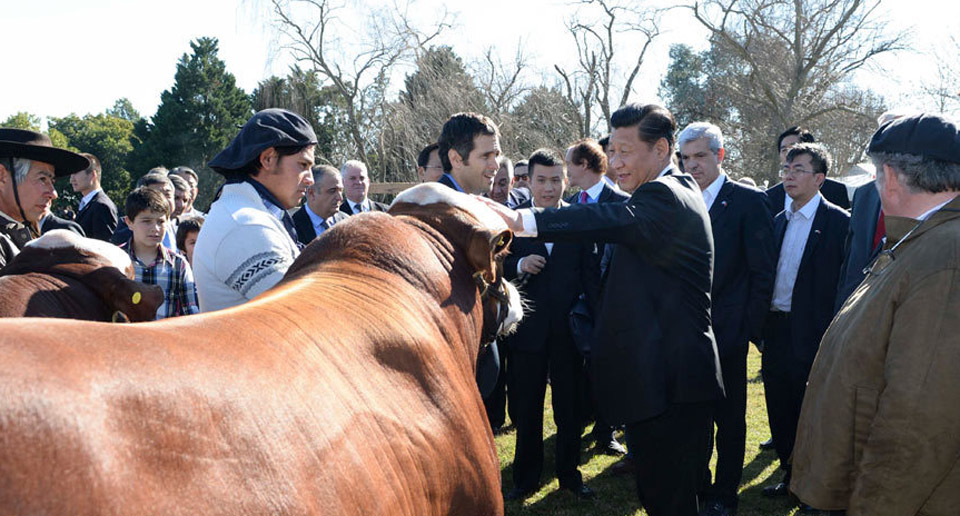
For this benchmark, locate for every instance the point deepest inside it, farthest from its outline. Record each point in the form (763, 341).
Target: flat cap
(268, 128)
(930, 136)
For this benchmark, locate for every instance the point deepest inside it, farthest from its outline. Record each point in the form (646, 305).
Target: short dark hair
(653, 122)
(187, 171)
(544, 157)
(804, 135)
(588, 151)
(458, 133)
(179, 184)
(185, 227)
(424, 157)
(94, 164)
(521, 163)
(604, 142)
(819, 156)
(144, 198)
(154, 178)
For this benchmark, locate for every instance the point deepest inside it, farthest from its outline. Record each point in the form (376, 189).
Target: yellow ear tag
(500, 243)
(136, 298)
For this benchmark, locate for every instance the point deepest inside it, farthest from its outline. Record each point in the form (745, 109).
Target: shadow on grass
(755, 467)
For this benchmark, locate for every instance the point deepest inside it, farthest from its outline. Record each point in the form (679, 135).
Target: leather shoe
(611, 447)
(517, 494)
(582, 492)
(767, 445)
(777, 490)
(624, 466)
(718, 509)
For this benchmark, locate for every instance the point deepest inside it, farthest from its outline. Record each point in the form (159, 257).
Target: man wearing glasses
(811, 232)
(879, 432)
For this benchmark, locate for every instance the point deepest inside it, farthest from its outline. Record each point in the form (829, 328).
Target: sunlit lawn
(616, 495)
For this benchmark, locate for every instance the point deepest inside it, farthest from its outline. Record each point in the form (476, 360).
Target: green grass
(617, 495)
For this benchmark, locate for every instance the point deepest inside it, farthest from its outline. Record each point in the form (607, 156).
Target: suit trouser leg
(784, 380)
(730, 417)
(496, 403)
(566, 375)
(669, 458)
(526, 388)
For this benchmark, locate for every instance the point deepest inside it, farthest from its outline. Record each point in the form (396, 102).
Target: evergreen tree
(109, 138)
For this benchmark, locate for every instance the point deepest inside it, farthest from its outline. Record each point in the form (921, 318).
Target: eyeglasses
(786, 172)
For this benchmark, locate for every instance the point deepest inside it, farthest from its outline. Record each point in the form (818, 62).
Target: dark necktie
(583, 197)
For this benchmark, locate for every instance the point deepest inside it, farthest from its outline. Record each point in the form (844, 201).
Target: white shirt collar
(933, 210)
(808, 211)
(665, 170)
(711, 192)
(87, 198)
(362, 205)
(594, 191)
(314, 218)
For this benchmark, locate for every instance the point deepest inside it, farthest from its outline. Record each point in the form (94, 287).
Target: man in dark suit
(97, 214)
(831, 190)
(810, 233)
(864, 240)
(321, 211)
(743, 272)
(356, 184)
(655, 363)
(586, 166)
(553, 276)
(49, 222)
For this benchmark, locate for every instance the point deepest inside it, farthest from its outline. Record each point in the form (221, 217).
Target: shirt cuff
(520, 261)
(529, 224)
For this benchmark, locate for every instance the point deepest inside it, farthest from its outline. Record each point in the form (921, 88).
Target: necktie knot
(583, 197)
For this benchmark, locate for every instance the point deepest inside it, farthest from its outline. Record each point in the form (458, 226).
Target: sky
(81, 56)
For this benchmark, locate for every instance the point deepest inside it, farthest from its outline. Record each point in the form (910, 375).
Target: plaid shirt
(172, 272)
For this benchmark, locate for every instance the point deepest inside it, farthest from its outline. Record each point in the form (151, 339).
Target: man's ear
(721, 154)
(662, 148)
(127, 221)
(4, 174)
(456, 160)
(268, 159)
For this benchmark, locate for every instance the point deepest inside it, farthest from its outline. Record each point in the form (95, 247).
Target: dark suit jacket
(606, 195)
(859, 250)
(305, 231)
(744, 265)
(52, 222)
(831, 190)
(572, 268)
(98, 218)
(374, 206)
(815, 290)
(653, 345)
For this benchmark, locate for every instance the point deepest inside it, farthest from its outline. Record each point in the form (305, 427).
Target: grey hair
(698, 130)
(21, 167)
(918, 174)
(179, 184)
(321, 171)
(354, 164)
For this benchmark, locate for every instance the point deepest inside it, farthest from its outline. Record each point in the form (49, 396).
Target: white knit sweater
(242, 250)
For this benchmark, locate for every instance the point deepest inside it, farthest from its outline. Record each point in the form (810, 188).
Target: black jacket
(831, 190)
(98, 218)
(653, 343)
(858, 248)
(305, 231)
(51, 222)
(744, 265)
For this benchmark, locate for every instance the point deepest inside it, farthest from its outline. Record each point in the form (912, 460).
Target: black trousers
(668, 453)
(730, 418)
(526, 389)
(496, 402)
(784, 384)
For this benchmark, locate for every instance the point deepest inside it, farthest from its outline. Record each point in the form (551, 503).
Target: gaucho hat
(20, 143)
(267, 128)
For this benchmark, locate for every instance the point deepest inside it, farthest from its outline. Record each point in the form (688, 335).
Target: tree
(942, 92)
(23, 120)
(544, 118)
(109, 138)
(124, 109)
(600, 44)
(197, 117)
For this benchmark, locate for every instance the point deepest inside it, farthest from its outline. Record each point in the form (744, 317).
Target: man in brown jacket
(879, 432)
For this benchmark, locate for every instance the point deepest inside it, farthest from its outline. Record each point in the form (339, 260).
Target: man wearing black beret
(879, 431)
(248, 240)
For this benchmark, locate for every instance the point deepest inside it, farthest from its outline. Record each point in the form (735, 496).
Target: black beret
(268, 128)
(929, 136)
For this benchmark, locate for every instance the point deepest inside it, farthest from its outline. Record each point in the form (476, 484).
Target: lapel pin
(723, 203)
(817, 231)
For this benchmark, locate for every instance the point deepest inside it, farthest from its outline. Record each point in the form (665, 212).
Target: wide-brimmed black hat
(268, 128)
(20, 143)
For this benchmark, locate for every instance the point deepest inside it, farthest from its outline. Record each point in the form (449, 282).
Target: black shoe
(517, 494)
(582, 492)
(624, 466)
(767, 445)
(777, 490)
(612, 448)
(718, 509)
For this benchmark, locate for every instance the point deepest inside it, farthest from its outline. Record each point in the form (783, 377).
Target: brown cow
(347, 389)
(64, 275)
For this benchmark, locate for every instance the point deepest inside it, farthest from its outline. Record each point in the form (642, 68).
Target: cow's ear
(485, 249)
(137, 301)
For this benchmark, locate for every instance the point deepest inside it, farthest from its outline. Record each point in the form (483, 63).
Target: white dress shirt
(359, 207)
(87, 198)
(319, 223)
(933, 210)
(711, 192)
(548, 245)
(795, 238)
(593, 193)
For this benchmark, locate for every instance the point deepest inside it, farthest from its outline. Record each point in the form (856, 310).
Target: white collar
(716, 185)
(808, 211)
(89, 196)
(362, 204)
(926, 215)
(594, 191)
(665, 170)
(314, 218)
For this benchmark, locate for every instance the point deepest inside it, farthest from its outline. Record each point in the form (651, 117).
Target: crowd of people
(647, 272)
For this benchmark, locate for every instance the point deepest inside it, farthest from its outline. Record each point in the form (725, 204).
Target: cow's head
(485, 240)
(100, 266)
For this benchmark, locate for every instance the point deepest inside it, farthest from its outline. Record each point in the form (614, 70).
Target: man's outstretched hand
(512, 218)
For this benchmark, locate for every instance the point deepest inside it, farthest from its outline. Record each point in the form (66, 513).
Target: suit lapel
(816, 232)
(720, 203)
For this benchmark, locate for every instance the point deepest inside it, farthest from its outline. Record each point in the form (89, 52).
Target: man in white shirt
(322, 209)
(811, 232)
(356, 184)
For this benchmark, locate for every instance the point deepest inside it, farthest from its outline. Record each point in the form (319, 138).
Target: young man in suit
(654, 359)
(743, 272)
(553, 275)
(831, 190)
(810, 233)
(322, 209)
(97, 214)
(356, 184)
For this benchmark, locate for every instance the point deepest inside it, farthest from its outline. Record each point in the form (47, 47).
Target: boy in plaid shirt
(147, 211)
